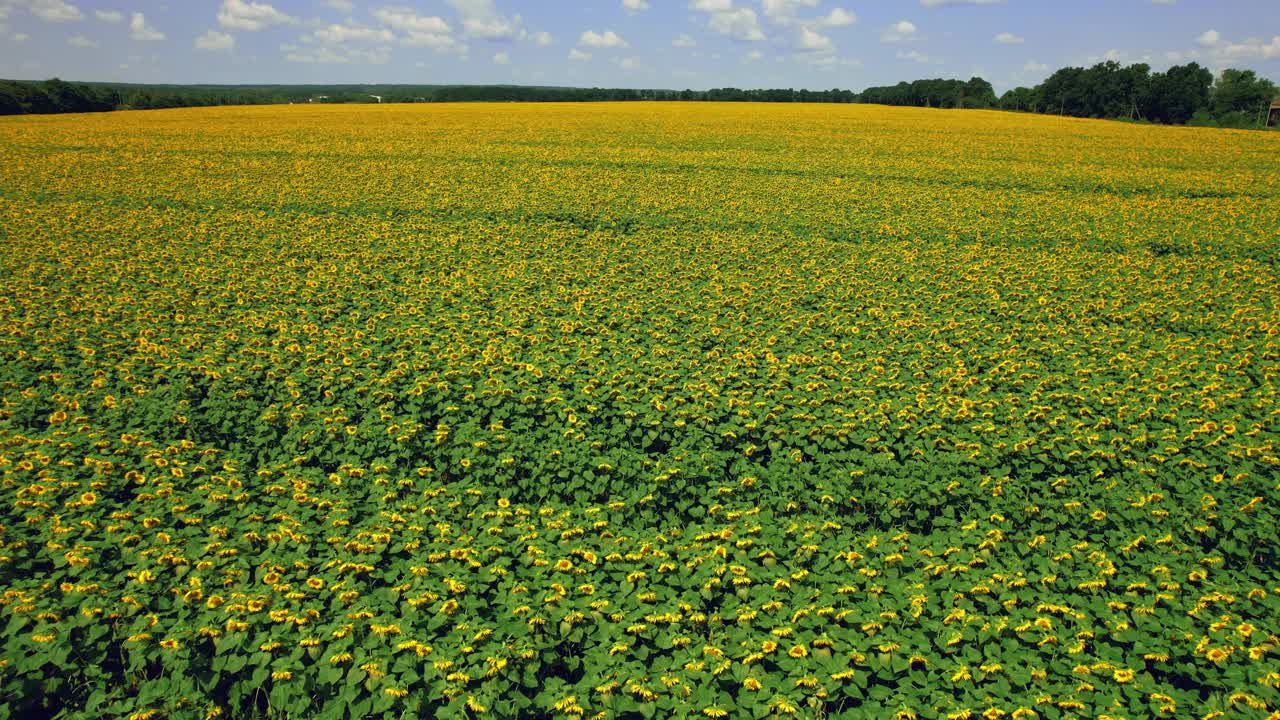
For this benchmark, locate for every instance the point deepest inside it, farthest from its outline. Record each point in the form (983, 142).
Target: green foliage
(1203, 118)
(1109, 90)
(1241, 98)
(976, 93)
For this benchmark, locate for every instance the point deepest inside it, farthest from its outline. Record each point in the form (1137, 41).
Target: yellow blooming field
(637, 411)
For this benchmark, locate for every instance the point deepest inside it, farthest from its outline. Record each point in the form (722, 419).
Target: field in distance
(637, 411)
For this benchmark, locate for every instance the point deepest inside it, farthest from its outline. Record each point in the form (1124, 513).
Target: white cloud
(434, 41)
(754, 55)
(828, 62)
(838, 17)
(327, 55)
(684, 40)
(214, 40)
(739, 24)
(81, 41)
(501, 58)
(940, 3)
(109, 16)
(576, 54)
(901, 31)
(1032, 66)
(542, 39)
(344, 6)
(419, 30)
(607, 39)
(480, 19)
(21, 37)
(339, 34)
(631, 63)
(812, 40)
(1209, 38)
(1251, 49)
(808, 38)
(914, 55)
(407, 20)
(635, 5)
(783, 12)
(1008, 38)
(140, 30)
(56, 11)
(250, 15)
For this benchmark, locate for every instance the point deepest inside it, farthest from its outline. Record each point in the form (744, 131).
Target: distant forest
(1183, 94)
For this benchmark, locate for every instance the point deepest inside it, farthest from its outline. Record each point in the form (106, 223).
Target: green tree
(978, 93)
(1179, 92)
(1240, 98)
(1019, 98)
(10, 98)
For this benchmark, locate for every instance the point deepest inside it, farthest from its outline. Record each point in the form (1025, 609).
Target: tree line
(1182, 94)
(57, 96)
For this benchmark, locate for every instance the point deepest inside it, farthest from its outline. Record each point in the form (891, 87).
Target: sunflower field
(637, 411)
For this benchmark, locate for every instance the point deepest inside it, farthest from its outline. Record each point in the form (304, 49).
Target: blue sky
(622, 43)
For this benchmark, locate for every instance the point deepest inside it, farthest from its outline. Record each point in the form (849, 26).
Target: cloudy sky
(622, 43)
